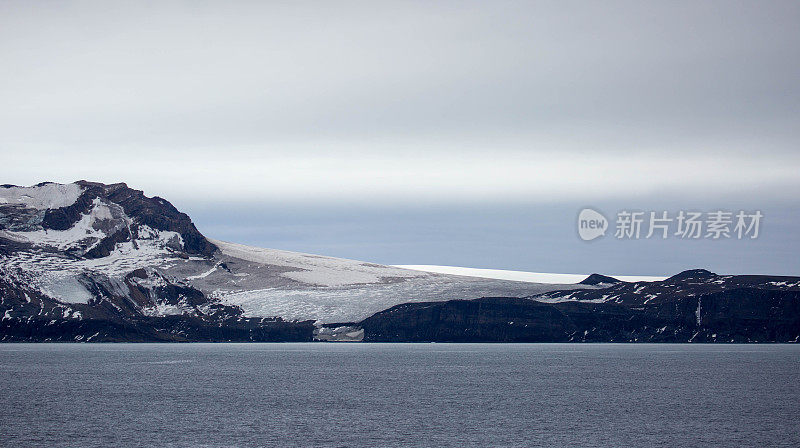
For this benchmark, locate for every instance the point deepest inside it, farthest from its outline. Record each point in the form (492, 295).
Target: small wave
(171, 361)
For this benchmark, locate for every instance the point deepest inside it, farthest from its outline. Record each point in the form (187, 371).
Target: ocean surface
(387, 395)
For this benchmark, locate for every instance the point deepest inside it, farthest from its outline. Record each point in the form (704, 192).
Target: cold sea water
(387, 395)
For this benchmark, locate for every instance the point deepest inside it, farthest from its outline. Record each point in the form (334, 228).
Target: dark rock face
(160, 214)
(8, 247)
(165, 329)
(480, 320)
(750, 314)
(721, 310)
(63, 218)
(107, 244)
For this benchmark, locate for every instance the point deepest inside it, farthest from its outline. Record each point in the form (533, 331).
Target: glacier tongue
(356, 302)
(315, 269)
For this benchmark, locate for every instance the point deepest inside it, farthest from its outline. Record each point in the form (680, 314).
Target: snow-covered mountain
(93, 262)
(100, 252)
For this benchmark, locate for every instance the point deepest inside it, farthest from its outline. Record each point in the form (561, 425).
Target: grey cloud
(184, 74)
(272, 106)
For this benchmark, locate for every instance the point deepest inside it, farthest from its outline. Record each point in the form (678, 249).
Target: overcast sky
(358, 107)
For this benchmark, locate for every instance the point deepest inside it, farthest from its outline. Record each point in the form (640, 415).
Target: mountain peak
(698, 274)
(101, 215)
(596, 279)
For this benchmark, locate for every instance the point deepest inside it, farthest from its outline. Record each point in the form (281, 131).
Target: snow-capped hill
(88, 219)
(88, 261)
(691, 283)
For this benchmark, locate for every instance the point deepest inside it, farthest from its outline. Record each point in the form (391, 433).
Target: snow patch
(67, 289)
(204, 274)
(42, 197)
(163, 309)
(698, 311)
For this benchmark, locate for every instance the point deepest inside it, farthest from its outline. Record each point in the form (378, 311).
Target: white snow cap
(43, 196)
(522, 276)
